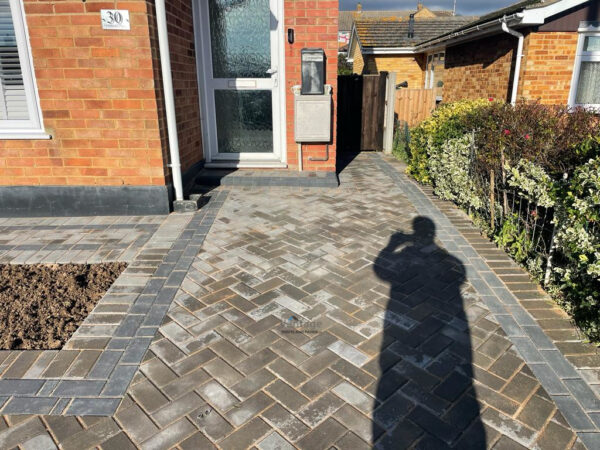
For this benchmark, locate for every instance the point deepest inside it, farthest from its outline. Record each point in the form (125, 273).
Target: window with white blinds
(19, 109)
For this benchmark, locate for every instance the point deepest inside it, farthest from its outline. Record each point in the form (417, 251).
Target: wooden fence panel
(414, 105)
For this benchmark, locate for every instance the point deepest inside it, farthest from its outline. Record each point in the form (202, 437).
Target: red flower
(491, 99)
(506, 132)
(534, 213)
(527, 136)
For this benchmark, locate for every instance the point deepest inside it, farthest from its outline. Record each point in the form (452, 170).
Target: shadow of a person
(424, 396)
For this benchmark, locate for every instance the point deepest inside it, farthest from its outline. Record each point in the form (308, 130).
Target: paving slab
(371, 315)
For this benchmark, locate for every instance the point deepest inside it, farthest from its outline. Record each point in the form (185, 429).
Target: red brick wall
(101, 93)
(316, 25)
(185, 81)
(409, 68)
(483, 68)
(97, 96)
(479, 69)
(548, 63)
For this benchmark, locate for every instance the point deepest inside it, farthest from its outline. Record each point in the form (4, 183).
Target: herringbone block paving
(319, 319)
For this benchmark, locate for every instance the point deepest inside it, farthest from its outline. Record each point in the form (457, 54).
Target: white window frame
(585, 30)
(432, 59)
(32, 128)
(428, 71)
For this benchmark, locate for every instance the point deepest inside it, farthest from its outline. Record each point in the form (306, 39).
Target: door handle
(273, 72)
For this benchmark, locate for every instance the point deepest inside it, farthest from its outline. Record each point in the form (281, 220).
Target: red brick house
(90, 122)
(536, 50)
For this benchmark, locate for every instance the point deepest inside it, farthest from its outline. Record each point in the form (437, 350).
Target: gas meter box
(313, 71)
(312, 116)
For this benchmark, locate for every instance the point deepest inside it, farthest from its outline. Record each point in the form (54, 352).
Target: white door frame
(207, 85)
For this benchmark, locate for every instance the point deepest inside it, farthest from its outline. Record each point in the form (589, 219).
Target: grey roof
(394, 33)
(346, 18)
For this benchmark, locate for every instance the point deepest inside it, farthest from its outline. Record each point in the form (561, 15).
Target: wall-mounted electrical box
(313, 71)
(312, 116)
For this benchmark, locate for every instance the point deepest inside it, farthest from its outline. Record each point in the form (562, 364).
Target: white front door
(243, 93)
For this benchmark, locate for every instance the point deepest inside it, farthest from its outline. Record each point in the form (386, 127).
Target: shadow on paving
(426, 350)
(343, 159)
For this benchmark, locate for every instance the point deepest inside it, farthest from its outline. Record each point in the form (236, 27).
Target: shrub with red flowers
(558, 138)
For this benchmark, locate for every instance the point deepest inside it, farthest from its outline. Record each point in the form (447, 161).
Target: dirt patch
(41, 306)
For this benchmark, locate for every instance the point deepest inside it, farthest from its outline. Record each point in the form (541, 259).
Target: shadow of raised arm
(385, 260)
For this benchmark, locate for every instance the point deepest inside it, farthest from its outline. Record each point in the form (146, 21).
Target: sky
(464, 7)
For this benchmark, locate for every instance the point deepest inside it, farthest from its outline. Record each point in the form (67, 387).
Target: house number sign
(115, 19)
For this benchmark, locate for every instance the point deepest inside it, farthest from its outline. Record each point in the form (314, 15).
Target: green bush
(401, 140)
(546, 167)
(450, 168)
(344, 67)
(577, 274)
(447, 122)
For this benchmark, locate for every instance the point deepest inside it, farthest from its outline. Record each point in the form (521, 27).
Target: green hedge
(546, 167)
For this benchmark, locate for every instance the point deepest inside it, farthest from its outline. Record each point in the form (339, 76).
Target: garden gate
(361, 112)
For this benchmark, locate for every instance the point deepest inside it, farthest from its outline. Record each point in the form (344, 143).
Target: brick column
(315, 24)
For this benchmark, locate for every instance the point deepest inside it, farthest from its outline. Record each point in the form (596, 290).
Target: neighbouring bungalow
(535, 50)
(547, 51)
(347, 19)
(346, 22)
(113, 107)
(390, 45)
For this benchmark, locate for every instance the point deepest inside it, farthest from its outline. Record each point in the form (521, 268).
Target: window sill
(587, 106)
(11, 135)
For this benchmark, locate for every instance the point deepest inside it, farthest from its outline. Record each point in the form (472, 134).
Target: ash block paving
(312, 318)
(75, 239)
(91, 375)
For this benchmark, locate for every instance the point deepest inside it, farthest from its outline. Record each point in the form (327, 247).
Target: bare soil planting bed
(41, 305)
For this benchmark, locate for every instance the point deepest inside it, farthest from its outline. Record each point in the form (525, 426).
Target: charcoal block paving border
(142, 300)
(573, 396)
(268, 178)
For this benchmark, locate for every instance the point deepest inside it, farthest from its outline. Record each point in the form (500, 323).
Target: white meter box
(115, 19)
(312, 121)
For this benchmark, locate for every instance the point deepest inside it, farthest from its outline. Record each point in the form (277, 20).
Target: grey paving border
(101, 391)
(310, 180)
(572, 395)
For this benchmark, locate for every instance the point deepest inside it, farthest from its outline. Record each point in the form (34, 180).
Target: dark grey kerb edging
(100, 393)
(310, 180)
(61, 201)
(573, 396)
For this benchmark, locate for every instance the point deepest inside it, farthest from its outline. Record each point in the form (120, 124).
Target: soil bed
(41, 305)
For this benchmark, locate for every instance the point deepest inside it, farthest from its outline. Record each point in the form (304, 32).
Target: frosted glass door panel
(244, 121)
(240, 42)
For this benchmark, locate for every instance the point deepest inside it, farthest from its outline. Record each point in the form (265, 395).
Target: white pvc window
(585, 86)
(433, 60)
(20, 115)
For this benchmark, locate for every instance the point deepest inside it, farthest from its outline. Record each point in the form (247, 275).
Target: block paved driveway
(320, 319)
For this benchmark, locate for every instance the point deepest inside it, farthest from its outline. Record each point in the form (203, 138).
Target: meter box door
(312, 117)
(313, 71)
